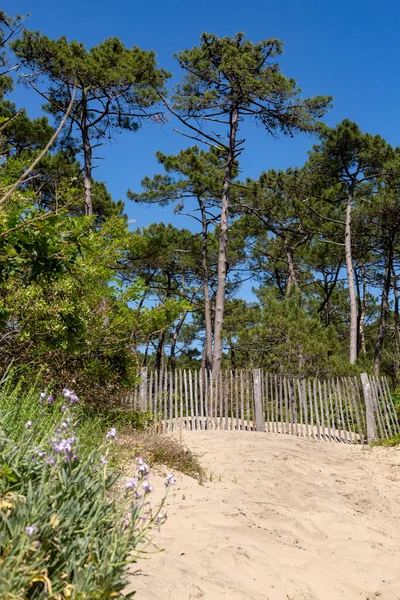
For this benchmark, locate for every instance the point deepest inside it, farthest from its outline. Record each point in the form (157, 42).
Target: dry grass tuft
(159, 449)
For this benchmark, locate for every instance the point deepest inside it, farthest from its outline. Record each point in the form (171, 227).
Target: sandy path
(282, 518)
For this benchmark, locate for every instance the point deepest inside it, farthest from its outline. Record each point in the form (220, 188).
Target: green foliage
(287, 338)
(232, 72)
(115, 85)
(64, 307)
(389, 443)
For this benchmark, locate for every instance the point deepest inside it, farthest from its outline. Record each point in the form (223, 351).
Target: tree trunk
(160, 351)
(359, 310)
(87, 160)
(223, 239)
(363, 348)
(292, 279)
(328, 292)
(233, 356)
(350, 282)
(146, 353)
(172, 357)
(384, 310)
(207, 304)
(396, 311)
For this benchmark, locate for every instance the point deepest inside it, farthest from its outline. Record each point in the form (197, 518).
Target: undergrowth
(62, 535)
(160, 450)
(388, 443)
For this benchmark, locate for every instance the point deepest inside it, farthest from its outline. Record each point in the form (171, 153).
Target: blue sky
(345, 48)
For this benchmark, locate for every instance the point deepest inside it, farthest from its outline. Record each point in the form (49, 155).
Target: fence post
(371, 425)
(143, 389)
(258, 405)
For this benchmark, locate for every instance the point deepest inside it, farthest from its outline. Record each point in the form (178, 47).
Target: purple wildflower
(147, 487)
(63, 408)
(42, 397)
(132, 483)
(112, 434)
(32, 530)
(170, 480)
(103, 461)
(142, 468)
(28, 424)
(70, 395)
(64, 446)
(50, 460)
(50, 399)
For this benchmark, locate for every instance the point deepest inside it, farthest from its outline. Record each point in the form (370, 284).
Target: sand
(279, 518)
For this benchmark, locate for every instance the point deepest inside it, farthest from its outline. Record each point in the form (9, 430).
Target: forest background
(120, 296)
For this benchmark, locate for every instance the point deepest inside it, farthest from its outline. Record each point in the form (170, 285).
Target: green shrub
(63, 535)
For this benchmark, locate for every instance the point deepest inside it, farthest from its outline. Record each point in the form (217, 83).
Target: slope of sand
(282, 518)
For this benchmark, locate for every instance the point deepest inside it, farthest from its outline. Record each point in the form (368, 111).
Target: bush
(62, 535)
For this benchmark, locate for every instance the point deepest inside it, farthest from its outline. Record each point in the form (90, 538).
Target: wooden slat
(338, 418)
(390, 402)
(180, 399)
(311, 410)
(335, 413)
(150, 394)
(299, 392)
(221, 401)
(191, 399)
(321, 413)
(266, 403)
(327, 412)
(382, 402)
(185, 387)
(361, 405)
(352, 385)
(379, 408)
(165, 400)
(241, 401)
(201, 398)
(293, 393)
(348, 408)
(171, 400)
(154, 405)
(378, 411)
(258, 415)
(272, 402)
(305, 406)
(315, 395)
(287, 415)
(349, 411)
(281, 400)
(237, 399)
(206, 397)
(211, 386)
(196, 398)
(248, 400)
(276, 404)
(393, 429)
(342, 415)
(227, 396)
(216, 400)
(160, 396)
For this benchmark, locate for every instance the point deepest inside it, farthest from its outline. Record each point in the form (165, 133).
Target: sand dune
(282, 518)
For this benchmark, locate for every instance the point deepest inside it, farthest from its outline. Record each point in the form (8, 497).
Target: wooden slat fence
(332, 410)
